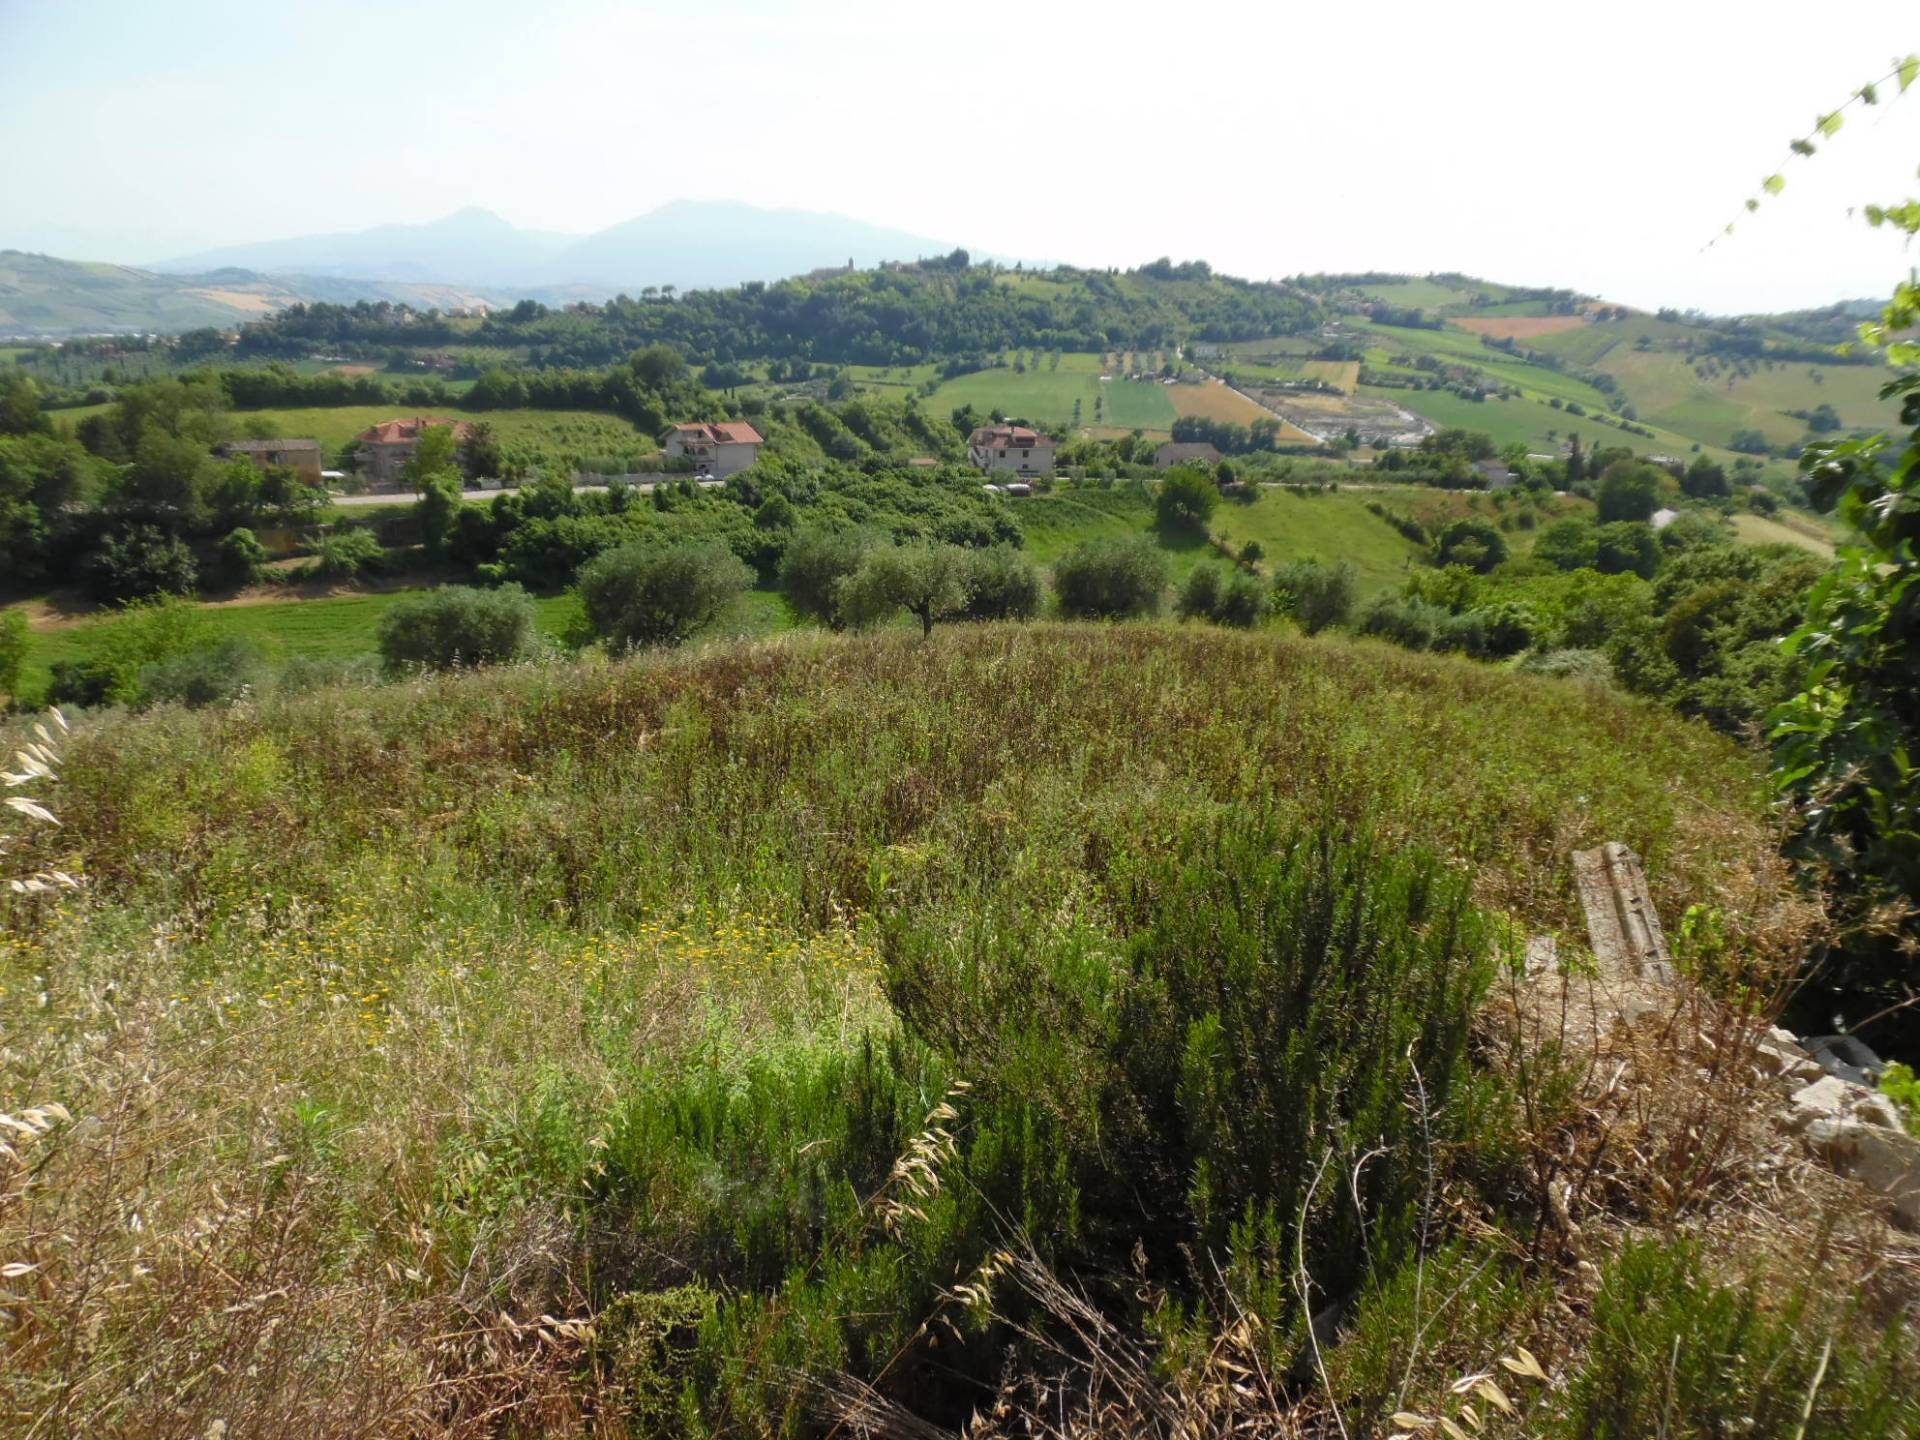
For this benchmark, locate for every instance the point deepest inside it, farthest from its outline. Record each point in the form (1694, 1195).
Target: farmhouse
(1010, 447)
(717, 450)
(300, 456)
(1184, 452)
(386, 448)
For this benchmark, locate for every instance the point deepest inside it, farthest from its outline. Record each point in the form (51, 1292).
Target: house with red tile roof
(386, 448)
(719, 450)
(1011, 447)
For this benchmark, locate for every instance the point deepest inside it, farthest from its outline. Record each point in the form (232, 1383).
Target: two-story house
(386, 448)
(1010, 447)
(718, 450)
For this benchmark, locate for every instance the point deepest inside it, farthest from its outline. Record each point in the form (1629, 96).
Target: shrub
(1674, 1353)
(1412, 623)
(1626, 547)
(1464, 633)
(776, 512)
(1200, 596)
(1315, 594)
(241, 557)
(85, 684)
(815, 563)
(218, 676)
(1205, 1133)
(658, 594)
(1111, 579)
(140, 561)
(1692, 531)
(1472, 543)
(1568, 544)
(1242, 602)
(1509, 627)
(347, 553)
(1186, 500)
(439, 504)
(1003, 585)
(457, 625)
(1630, 490)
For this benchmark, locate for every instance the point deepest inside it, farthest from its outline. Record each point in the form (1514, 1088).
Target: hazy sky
(1597, 147)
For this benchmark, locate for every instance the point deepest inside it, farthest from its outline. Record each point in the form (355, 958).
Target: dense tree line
(890, 316)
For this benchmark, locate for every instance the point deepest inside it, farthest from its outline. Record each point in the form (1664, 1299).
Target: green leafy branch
(1907, 215)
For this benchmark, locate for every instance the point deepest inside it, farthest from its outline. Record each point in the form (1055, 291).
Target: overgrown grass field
(689, 1044)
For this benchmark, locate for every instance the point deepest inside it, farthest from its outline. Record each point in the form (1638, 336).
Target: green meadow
(1046, 396)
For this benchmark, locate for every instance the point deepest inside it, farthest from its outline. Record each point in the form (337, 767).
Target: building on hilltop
(1011, 447)
(718, 450)
(1185, 452)
(300, 456)
(386, 448)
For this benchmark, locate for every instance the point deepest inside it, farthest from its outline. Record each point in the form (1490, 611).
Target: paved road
(407, 497)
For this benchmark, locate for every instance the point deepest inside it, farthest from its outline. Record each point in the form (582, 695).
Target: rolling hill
(41, 296)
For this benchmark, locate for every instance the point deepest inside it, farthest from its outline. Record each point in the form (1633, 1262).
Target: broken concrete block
(1885, 1161)
(1786, 1040)
(1622, 925)
(1877, 1109)
(1828, 1098)
(1786, 1062)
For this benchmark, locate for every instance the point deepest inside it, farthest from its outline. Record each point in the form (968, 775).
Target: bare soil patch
(1215, 401)
(247, 300)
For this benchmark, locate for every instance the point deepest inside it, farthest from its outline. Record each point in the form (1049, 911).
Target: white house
(1010, 447)
(717, 450)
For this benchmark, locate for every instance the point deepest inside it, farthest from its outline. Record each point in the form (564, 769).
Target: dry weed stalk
(917, 1171)
(38, 762)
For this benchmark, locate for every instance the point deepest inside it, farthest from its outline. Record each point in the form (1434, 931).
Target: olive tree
(930, 582)
(658, 594)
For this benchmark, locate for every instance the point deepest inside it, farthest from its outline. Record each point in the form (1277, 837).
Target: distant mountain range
(688, 244)
(45, 297)
(471, 256)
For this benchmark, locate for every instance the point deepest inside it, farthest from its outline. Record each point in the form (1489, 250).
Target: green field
(1667, 391)
(339, 627)
(1788, 528)
(1464, 348)
(1333, 526)
(1416, 292)
(1046, 396)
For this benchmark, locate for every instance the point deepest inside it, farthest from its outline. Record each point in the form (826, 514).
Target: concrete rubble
(1825, 1083)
